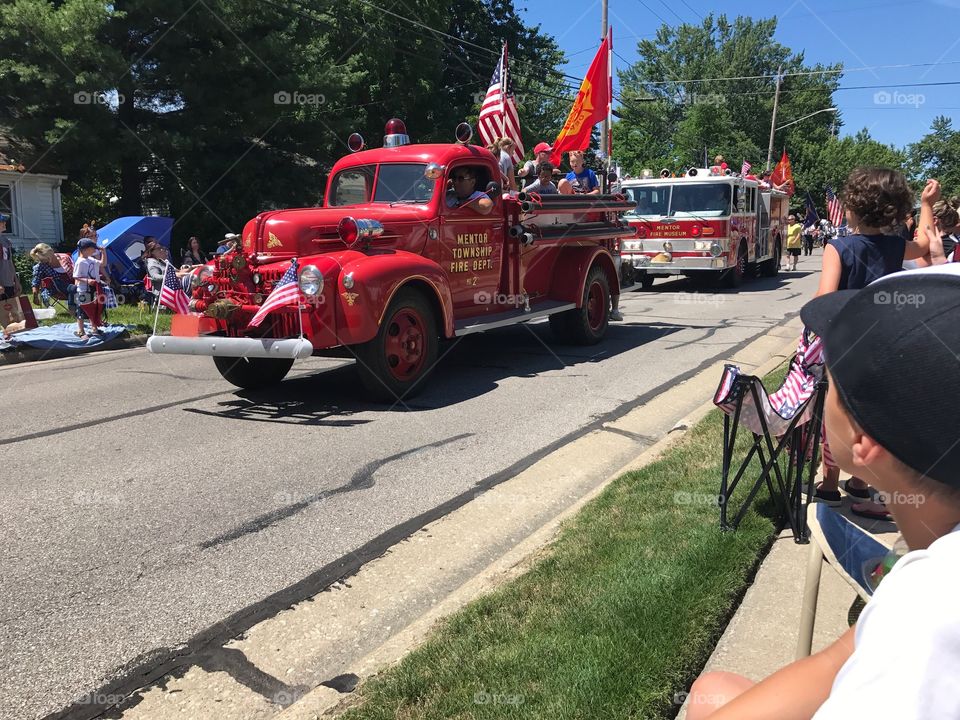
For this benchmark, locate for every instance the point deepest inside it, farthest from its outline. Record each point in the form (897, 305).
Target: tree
(710, 88)
(937, 155)
(212, 111)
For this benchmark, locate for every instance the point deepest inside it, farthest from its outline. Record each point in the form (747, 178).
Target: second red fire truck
(705, 225)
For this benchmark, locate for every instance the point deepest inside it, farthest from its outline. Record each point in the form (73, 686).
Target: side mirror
(494, 189)
(433, 171)
(464, 132)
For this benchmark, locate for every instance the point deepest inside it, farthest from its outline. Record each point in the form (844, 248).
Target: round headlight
(348, 281)
(716, 250)
(205, 272)
(668, 246)
(256, 278)
(311, 281)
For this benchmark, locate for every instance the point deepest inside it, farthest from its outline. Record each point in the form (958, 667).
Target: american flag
(498, 115)
(834, 208)
(745, 168)
(171, 292)
(285, 292)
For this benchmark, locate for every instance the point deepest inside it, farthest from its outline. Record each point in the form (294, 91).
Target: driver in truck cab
(465, 193)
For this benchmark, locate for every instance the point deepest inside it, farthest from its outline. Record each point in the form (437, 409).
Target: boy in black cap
(891, 411)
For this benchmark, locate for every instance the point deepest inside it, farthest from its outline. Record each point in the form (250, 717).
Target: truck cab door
(471, 247)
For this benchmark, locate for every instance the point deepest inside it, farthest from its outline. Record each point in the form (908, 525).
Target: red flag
(783, 175)
(591, 106)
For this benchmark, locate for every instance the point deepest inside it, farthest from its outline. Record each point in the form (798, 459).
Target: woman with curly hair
(877, 201)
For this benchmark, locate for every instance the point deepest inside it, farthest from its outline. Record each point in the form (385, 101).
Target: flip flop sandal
(860, 511)
(862, 493)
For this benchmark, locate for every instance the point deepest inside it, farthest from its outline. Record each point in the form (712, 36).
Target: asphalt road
(143, 500)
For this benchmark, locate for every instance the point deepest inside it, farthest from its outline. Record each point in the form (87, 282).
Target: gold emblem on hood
(273, 241)
(350, 297)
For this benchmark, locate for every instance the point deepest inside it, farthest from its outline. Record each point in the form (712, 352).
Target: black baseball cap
(85, 243)
(893, 351)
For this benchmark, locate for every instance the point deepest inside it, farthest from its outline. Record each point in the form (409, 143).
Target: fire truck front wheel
(252, 373)
(735, 276)
(587, 324)
(394, 364)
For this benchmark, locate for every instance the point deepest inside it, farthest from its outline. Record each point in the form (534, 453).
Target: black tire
(394, 365)
(771, 267)
(734, 277)
(252, 373)
(586, 325)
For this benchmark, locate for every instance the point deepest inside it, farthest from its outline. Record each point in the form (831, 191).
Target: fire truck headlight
(716, 250)
(256, 278)
(311, 281)
(668, 246)
(205, 272)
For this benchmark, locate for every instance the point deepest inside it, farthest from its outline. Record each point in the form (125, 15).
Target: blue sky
(857, 33)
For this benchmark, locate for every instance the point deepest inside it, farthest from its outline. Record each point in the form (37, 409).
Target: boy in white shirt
(892, 425)
(86, 273)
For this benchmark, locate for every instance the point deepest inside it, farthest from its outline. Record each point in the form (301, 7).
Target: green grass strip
(620, 613)
(139, 320)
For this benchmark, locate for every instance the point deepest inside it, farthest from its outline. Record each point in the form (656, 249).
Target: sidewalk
(762, 636)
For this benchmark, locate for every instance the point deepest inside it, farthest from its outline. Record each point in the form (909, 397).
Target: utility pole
(773, 121)
(605, 125)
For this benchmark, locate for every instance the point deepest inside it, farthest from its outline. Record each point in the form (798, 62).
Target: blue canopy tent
(124, 241)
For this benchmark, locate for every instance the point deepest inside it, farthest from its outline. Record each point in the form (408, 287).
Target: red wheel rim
(596, 306)
(404, 346)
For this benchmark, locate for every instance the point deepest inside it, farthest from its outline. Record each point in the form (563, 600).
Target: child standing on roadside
(86, 273)
(901, 660)
(877, 200)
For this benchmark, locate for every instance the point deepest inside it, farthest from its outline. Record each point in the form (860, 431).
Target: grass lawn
(138, 320)
(617, 617)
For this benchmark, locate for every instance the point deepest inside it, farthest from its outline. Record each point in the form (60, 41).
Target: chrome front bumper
(215, 346)
(676, 267)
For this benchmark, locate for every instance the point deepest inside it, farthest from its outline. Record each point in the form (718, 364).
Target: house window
(6, 205)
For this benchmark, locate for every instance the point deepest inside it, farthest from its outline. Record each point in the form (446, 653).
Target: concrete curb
(15, 357)
(325, 701)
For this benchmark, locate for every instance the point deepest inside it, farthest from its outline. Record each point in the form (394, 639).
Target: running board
(512, 317)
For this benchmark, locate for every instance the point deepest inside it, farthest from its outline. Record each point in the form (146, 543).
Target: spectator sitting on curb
(901, 659)
(156, 256)
(876, 200)
(47, 265)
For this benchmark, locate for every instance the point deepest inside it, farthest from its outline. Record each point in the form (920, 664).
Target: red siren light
(395, 133)
(348, 230)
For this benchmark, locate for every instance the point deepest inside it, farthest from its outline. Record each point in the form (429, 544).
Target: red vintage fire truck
(706, 225)
(396, 260)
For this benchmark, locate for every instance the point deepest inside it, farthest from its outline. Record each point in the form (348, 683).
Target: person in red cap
(531, 168)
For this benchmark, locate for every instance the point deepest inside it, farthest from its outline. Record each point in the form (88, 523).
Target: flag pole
(156, 317)
(605, 125)
(609, 100)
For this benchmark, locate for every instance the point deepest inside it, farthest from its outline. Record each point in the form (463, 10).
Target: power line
(800, 73)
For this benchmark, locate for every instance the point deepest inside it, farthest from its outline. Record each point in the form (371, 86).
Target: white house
(32, 200)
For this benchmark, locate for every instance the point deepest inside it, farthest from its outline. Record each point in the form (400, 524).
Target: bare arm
(935, 254)
(792, 693)
(831, 271)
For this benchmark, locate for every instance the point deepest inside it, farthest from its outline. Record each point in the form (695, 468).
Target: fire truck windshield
(680, 199)
(650, 199)
(700, 200)
(395, 183)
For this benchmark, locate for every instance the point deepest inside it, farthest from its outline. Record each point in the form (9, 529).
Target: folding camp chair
(854, 553)
(57, 297)
(789, 419)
